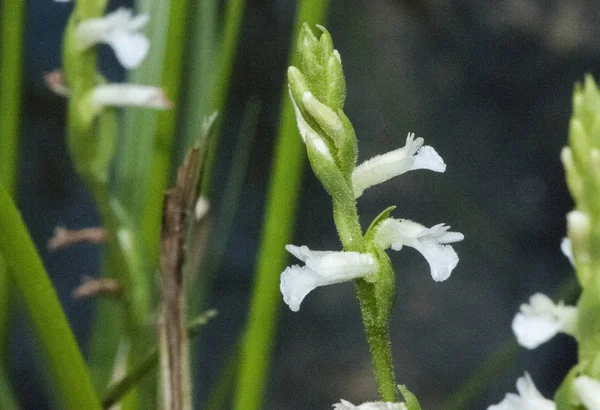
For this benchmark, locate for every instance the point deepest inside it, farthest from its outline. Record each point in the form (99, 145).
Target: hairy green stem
(280, 210)
(31, 280)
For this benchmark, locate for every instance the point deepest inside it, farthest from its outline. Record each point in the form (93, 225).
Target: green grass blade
(55, 336)
(280, 210)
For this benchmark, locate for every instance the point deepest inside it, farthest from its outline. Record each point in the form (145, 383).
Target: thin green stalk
(30, 278)
(160, 170)
(234, 12)
(280, 210)
(12, 16)
(11, 61)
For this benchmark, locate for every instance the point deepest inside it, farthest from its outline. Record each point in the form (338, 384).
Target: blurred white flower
(567, 249)
(541, 319)
(128, 95)
(372, 405)
(588, 391)
(322, 268)
(529, 398)
(384, 167)
(430, 242)
(120, 30)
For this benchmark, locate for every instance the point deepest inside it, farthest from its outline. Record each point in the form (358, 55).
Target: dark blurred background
(488, 84)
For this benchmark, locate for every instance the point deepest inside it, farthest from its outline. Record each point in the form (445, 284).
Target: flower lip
(541, 319)
(528, 398)
(432, 243)
(322, 268)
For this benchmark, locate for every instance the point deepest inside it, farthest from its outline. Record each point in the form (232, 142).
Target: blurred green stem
(280, 210)
(31, 280)
(234, 13)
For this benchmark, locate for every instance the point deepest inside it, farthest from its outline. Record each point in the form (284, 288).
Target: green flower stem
(280, 210)
(375, 318)
(57, 340)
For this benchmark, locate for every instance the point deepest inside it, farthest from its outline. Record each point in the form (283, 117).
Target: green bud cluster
(318, 90)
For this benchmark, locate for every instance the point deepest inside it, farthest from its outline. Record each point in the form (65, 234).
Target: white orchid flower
(373, 405)
(588, 391)
(321, 268)
(384, 167)
(541, 319)
(128, 95)
(529, 398)
(120, 30)
(430, 242)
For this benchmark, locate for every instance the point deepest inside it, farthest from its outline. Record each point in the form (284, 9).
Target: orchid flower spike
(541, 319)
(529, 398)
(373, 405)
(120, 30)
(430, 242)
(384, 167)
(588, 391)
(322, 268)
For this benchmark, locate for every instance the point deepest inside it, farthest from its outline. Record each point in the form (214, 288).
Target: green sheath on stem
(57, 341)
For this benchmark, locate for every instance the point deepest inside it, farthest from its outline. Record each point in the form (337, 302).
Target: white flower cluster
(328, 267)
(536, 323)
(120, 30)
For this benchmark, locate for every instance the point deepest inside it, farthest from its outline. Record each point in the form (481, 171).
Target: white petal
(123, 95)
(119, 30)
(442, 259)
(567, 250)
(307, 133)
(540, 320)
(322, 268)
(130, 49)
(384, 167)
(529, 398)
(588, 391)
(428, 158)
(296, 283)
(379, 405)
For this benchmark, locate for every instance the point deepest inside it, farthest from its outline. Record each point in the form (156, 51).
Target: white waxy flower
(588, 391)
(373, 405)
(120, 30)
(322, 268)
(383, 167)
(529, 398)
(541, 319)
(129, 95)
(567, 249)
(430, 242)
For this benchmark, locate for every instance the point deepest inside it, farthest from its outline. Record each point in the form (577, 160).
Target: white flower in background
(383, 167)
(541, 319)
(588, 391)
(529, 398)
(567, 249)
(430, 242)
(374, 405)
(128, 95)
(120, 30)
(322, 268)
